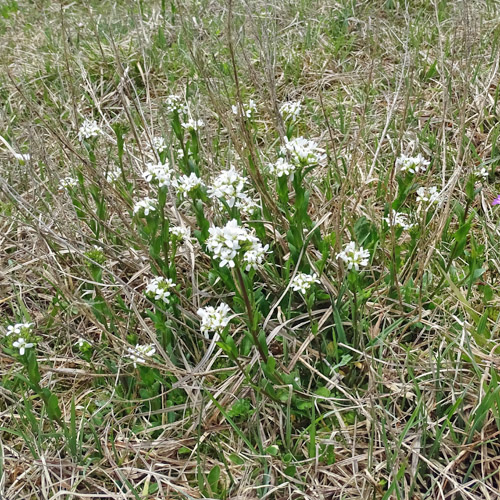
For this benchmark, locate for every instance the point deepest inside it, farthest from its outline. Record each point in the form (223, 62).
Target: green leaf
(53, 410)
(213, 478)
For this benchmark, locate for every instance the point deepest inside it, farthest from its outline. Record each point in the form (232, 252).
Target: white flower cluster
(302, 282)
(255, 255)
(185, 184)
(212, 319)
(139, 353)
(427, 195)
(248, 108)
(18, 329)
(67, 183)
(232, 240)
(193, 124)
(158, 288)
(481, 172)
(398, 219)
(145, 206)
(158, 172)
(354, 257)
(175, 103)
(291, 110)
(413, 164)
(181, 233)
(281, 168)
(22, 331)
(228, 186)
(303, 151)
(113, 175)
(158, 144)
(89, 129)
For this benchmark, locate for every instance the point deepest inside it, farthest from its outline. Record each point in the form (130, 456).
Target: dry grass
(411, 409)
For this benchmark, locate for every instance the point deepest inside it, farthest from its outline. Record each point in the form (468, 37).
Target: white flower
(193, 124)
(113, 175)
(413, 164)
(227, 242)
(354, 257)
(81, 342)
(255, 256)
(22, 345)
(481, 172)
(175, 103)
(19, 328)
(427, 195)
(302, 282)
(145, 206)
(398, 219)
(246, 205)
(181, 233)
(88, 130)
(213, 320)
(228, 185)
(139, 353)
(187, 184)
(248, 108)
(291, 110)
(281, 167)
(158, 172)
(67, 183)
(159, 288)
(158, 144)
(303, 151)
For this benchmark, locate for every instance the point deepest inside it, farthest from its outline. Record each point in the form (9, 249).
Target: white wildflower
(193, 124)
(398, 219)
(413, 164)
(22, 345)
(158, 288)
(145, 206)
(212, 319)
(246, 205)
(281, 168)
(354, 257)
(181, 233)
(248, 108)
(158, 144)
(88, 130)
(228, 185)
(19, 328)
(185, 185)
(175, 103)
(427, 195)
(113, 175)
(303, 151)
(302, 282)
(291, 110)
(139, 353)
(67, 183)
(81, 342)
(255, 256)
(481, 172)
(158, 172)
(228, 242)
